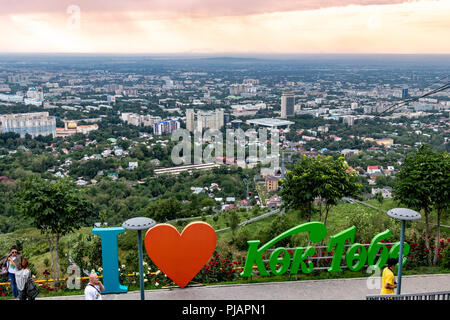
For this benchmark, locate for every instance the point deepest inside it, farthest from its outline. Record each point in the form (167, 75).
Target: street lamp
(139, 224)
(404, 215)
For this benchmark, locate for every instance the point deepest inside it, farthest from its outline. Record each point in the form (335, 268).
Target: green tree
(297, 188)
(233, 222)
(326, 179)
(423, 184)
(440, 194)
(379, 197)
(164, 209)
(56, 209)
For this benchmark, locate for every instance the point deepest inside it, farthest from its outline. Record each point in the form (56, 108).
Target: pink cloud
(190, 8)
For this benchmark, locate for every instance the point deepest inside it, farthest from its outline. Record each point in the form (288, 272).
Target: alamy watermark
(244, 149)
(74, 20)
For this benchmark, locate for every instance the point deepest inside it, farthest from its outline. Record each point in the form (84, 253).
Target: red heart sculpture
(180, 256)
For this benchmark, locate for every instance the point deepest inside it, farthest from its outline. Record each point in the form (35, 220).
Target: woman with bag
(10, 264)
(24, 280)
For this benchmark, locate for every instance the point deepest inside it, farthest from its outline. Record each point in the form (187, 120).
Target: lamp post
(139, 224)
(404, 215)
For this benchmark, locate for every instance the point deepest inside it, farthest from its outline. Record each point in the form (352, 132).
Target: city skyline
(272, 27)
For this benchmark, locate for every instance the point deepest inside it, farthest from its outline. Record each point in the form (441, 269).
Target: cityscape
(252, 136)
(315, 111)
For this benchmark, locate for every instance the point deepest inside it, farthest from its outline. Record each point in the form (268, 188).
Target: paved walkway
(335, 289)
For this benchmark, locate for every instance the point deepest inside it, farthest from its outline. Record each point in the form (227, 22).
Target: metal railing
(442, 295)
(317, 258)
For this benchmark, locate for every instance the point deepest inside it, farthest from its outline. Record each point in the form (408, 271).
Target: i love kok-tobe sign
(182, 256)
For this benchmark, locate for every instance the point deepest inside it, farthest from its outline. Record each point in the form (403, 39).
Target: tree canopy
(325, 179)
(56, 208)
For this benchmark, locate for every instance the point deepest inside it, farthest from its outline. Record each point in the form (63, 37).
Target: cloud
(176, 8)
(407, 27)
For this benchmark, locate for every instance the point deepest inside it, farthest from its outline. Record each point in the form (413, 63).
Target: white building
(139, 120)
(243, 110)
(35, 94)
(132, 165)
(34, 124)
(205, 119)
(165, 127)
(11, 98)
(348, 120)
(386, 192)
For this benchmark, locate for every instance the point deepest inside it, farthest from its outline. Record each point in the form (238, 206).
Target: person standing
(388, 283)
(13, 261)
(94, 288)
(22, 277)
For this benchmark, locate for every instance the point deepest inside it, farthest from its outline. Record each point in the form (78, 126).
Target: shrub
(219, 269)
(418, 254)
(446, 257)
(240, 240)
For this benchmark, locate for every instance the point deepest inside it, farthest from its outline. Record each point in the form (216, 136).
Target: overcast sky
(221, 26)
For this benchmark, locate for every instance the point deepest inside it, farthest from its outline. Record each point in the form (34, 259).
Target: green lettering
(299, 259)
(338, 240)
(254, 256)
(375, 246)
(352, 255)
(317, 232)
(275, 259)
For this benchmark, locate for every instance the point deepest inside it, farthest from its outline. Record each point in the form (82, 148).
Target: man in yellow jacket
(388, 283)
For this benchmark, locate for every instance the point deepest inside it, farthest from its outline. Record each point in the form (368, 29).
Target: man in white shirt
(94, 288)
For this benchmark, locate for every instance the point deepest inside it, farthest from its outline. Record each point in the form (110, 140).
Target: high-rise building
(219, 121)
(348, 120)
(405, 93)
(165, 127)
(244, 89)
(35, 94)
(287, 104)
(35, 124)
(205, 119)
(140, 120)
(190, 119)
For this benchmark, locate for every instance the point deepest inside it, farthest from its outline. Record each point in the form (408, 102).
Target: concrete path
(335, 289)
